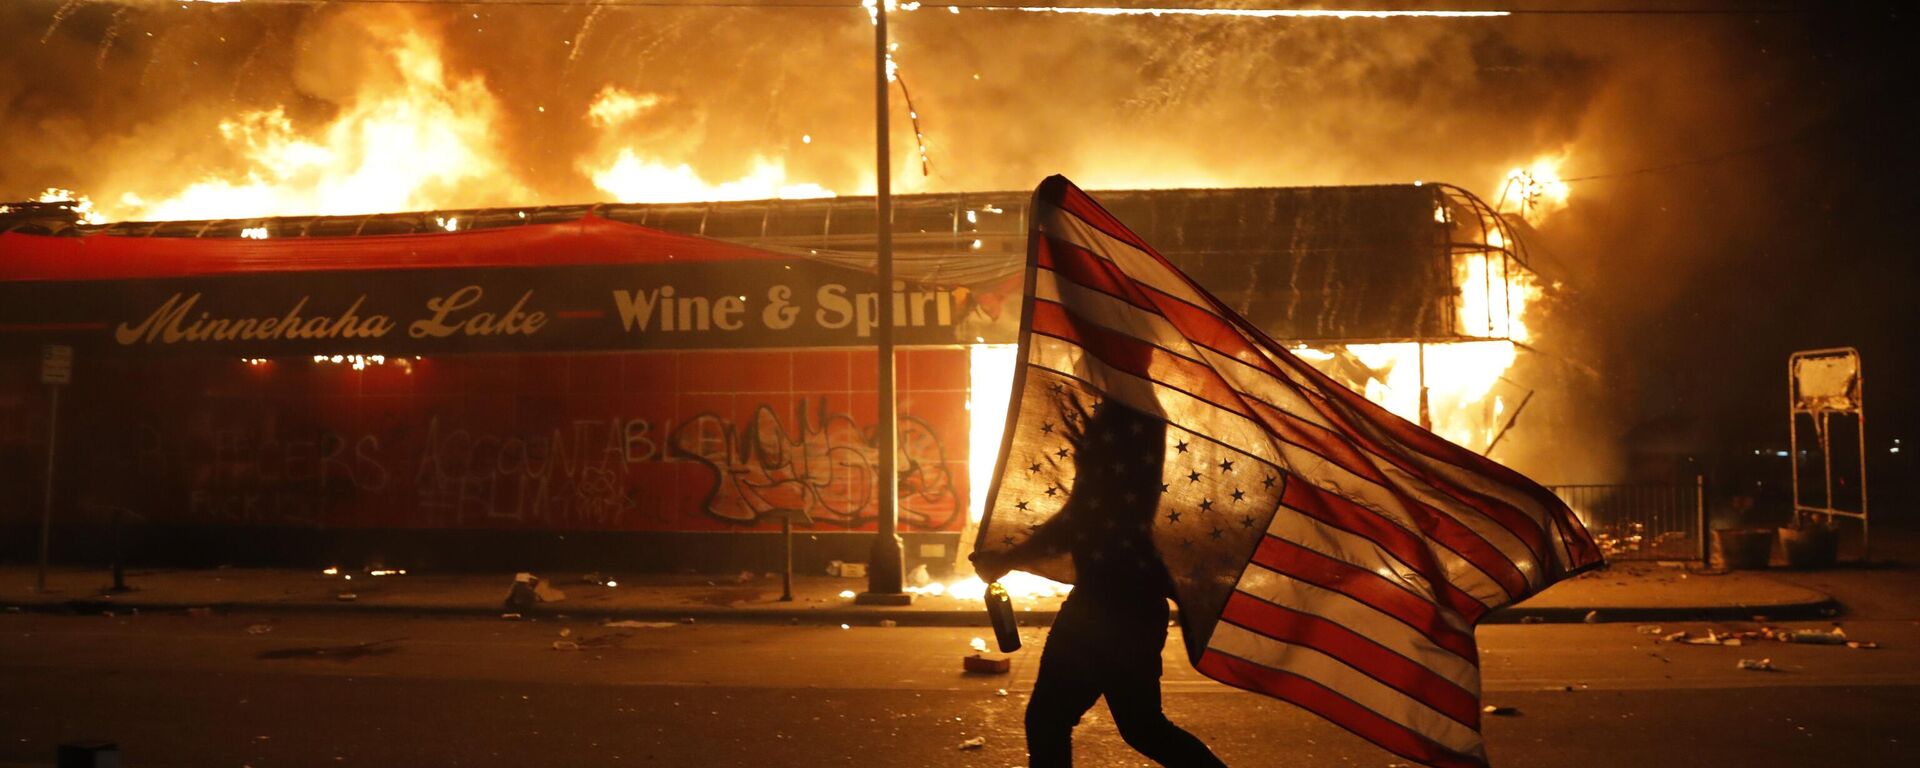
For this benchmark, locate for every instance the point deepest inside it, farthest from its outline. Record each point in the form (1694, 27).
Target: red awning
(588, 240)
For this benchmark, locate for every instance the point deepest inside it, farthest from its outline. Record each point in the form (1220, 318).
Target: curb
(907, 617)
(865, 616)
(1810, 610)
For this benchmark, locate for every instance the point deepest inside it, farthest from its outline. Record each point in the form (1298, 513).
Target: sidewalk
(1626, 592)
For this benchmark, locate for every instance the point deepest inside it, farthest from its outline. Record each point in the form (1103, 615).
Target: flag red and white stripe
(1324, 551)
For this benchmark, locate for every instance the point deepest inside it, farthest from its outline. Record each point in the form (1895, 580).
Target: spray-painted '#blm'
(1323, 550)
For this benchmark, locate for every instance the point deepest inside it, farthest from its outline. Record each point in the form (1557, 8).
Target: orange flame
(413, 143)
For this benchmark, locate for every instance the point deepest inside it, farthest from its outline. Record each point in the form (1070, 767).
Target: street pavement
(271, 669)
(268, 690)
(1624, 592)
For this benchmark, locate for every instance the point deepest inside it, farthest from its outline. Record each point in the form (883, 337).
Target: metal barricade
(1642, 521)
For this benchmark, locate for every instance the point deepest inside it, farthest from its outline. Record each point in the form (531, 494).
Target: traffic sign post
(56, 370)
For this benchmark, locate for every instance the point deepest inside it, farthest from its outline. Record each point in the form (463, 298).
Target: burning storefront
(649, 387)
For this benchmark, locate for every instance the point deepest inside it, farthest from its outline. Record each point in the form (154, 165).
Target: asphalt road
(174, 690)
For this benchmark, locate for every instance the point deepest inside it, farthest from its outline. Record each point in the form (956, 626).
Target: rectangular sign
(56, 364)
(695, 305)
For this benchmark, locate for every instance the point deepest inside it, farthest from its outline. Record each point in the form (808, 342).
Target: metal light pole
(886, 566)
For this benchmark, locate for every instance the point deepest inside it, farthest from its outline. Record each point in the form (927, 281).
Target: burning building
(652, 386)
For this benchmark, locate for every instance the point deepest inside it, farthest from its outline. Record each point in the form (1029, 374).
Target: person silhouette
(1108, 637)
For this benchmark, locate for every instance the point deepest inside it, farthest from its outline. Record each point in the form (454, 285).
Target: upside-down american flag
(1323, 551)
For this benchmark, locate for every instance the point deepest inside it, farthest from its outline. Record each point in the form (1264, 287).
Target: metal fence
(1643, 521)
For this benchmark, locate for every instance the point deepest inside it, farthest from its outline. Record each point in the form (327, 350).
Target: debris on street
(978, 664)
(1757, 665)
(846, 570)
(529, 589)
(1834, 636)
(631, 624)
(565, 645)
(259, 629)
(1815, 637)
(1502, 711)
(974, 743)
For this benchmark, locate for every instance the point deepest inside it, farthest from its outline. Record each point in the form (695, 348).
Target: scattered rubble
(529, 589)
(846, 570)
(974, 743)
(565, 645)
(1835, 636)
(1502, 711)
(1815, 637)
(631, 624)
(1757, 665)
(977, 664)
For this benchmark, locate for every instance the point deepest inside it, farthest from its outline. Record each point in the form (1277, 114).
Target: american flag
(1323, 551)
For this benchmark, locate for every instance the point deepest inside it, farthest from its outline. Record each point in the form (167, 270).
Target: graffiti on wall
(571, 476)
(824, 465)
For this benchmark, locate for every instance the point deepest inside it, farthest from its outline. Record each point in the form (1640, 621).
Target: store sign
(56, 364)
(711, 305)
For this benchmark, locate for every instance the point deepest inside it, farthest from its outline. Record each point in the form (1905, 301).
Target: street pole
(886, 566)
(46, 509)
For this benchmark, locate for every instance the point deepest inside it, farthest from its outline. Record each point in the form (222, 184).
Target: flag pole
(886, 562)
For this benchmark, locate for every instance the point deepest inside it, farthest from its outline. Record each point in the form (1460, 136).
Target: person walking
(1108, 637)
